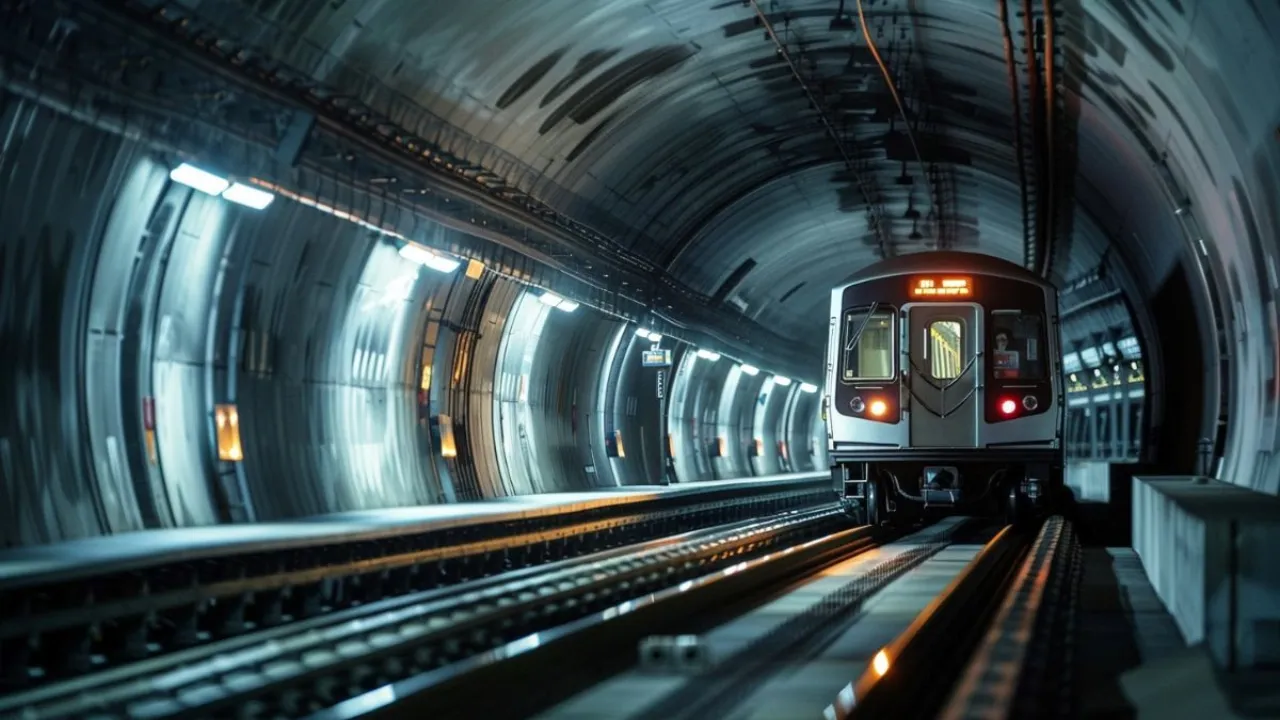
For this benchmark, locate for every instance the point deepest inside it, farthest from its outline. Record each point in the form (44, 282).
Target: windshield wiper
(858, 335)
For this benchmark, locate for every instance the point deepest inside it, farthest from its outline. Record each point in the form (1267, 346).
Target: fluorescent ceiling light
(248, 196)
(781, 380)
(197, 179)
(806, 387)
(550, 299)
(750, 369)
(426, 258)
(709, 355)
(568, 305)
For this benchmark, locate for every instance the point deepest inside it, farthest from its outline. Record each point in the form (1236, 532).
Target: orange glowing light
(943, 287)
(878, 408)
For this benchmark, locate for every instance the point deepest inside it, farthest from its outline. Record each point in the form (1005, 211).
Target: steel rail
(331, 661)
(908, 677)
(538, 671)
(988, 687)
(716, 692)
(133, 616)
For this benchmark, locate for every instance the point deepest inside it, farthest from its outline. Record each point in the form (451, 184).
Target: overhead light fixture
(550, 299)
(248, 196)
(427, 258)
(781, 380)
(806, 387)
(197, 179)
(567, 305)
(655, 337)
(709, 355)
(642, 332)
(750, 369)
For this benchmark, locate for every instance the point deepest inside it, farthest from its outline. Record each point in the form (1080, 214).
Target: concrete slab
(1209, 549)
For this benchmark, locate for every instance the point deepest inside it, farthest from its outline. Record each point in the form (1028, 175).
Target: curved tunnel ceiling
(679, 128)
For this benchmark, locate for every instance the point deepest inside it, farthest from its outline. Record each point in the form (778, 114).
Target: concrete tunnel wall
(1175, 103)
(132, 303)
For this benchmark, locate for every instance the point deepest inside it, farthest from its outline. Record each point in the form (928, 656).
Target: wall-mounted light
(806, 387)
(750, 369)
(427, 258)
(647, 334)
(709, 355)
(655, 337)
(475, 269)
(197, 179)
(781, 380)
(553, 300)
(250, 197)
(211, 184)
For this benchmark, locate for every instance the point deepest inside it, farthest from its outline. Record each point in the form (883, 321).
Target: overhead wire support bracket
(868, 194)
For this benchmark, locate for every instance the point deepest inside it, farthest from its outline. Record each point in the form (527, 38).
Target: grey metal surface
(806, 684)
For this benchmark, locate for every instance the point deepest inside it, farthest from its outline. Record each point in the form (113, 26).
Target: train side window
(867, 344)
(946, 348)
(1017, 345)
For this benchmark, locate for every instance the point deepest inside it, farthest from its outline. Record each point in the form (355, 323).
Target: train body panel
(943, 388)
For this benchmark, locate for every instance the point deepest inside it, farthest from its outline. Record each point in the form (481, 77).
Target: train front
(943, 392)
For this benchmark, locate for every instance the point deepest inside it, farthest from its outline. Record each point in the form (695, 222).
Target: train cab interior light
(1008, 406)
(808, 388)
(709, 355)
(750, 370)
(428, 259)
(781, 380)
(248, 196)
(197, 179)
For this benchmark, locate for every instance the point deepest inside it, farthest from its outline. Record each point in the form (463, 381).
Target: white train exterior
(944, 389)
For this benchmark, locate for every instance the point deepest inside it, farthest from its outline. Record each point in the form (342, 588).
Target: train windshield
(1017, 345)
(867, 344)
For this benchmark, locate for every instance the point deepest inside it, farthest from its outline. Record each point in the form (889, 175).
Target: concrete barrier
(1212, 552)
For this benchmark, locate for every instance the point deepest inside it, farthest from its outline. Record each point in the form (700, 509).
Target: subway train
(944, 392)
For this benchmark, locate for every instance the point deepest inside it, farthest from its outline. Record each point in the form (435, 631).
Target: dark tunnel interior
(704, 171)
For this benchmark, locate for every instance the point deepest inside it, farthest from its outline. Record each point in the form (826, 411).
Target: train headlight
(1030, 403)
(878, 408)
(857, 405)
(1008, 407)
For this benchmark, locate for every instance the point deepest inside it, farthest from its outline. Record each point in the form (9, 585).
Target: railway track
(307, 666)
(540, 633)
(60, 628)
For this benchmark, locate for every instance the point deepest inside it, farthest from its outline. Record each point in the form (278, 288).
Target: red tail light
(1008, 407)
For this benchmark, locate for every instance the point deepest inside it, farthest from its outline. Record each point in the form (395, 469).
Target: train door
(944, 374)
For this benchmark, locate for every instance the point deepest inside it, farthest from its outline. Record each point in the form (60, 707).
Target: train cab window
(867, 344)
(946, 347)
(1017, 345)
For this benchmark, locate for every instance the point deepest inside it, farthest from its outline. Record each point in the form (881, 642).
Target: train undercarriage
(898, 492)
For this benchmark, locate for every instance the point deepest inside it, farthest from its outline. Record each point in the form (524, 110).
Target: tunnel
(268, 260)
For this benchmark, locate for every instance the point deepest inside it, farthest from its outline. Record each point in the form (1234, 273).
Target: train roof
(945, 261)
